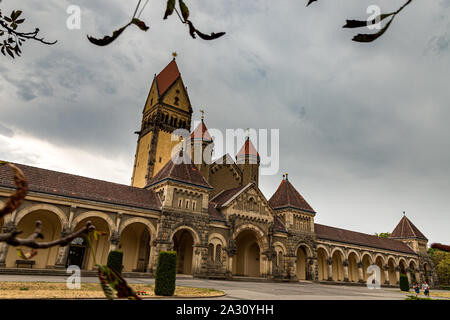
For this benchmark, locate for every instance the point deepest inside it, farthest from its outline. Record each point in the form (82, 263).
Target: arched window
(219, 254)
(194, 204)
(280, 259)
(176, 102)
(187, 204)
(180, 203)
(211, 252)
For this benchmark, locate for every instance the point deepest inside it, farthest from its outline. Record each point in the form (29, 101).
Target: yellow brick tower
(167, 108)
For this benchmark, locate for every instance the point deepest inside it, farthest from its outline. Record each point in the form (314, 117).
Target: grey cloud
(363, 127)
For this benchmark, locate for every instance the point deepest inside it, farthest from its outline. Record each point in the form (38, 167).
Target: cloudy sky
(364, 128)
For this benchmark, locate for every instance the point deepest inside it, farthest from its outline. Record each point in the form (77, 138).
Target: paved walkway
(256, 290)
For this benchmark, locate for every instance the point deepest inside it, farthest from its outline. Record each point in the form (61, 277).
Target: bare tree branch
(30, 242)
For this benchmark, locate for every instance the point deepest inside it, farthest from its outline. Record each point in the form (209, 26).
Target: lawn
(58, 290)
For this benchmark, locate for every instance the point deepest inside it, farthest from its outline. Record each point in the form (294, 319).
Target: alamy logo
(74, 280)
(374, 280)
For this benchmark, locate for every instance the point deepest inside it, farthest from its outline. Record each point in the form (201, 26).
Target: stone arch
(353, 259)
(52, 225)
(333, 251)
(135, 236)
(402, 264)
(97, 214)
(191, 230)
(357, 254)
(219, 237)
(367, 254)
(381, 256)
(380, 261)
(323, 256)
(43, 206)
(144, 221)
(414, 270)
(280, 245)
(250, 244)
(366, 261)
(262, 241)
(337, 257)
(309, 252)
(218, 243)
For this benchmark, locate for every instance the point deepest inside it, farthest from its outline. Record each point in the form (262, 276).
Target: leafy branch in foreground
(171, 7)
(14, 39)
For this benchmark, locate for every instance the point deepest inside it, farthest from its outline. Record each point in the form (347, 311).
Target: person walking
(426, 289)
(416, 289)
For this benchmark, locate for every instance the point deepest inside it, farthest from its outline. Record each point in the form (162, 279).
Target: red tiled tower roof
(248, 149)
(201, 132)
(181, 169)
(77, 187)
(406, 229)
(167, 77)
(287, 196)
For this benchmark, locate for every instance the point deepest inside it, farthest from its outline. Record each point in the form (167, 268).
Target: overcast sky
(364, 128)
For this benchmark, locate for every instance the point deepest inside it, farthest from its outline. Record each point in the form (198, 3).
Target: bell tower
(167, 108)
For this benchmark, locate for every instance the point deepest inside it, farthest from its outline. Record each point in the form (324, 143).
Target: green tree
(383, 235)
(441, 260)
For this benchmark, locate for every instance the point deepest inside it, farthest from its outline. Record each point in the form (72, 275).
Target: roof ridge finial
(174, 55)
(203, 114)
(287, 176)
(248, 133)
(404, 213)
(284, 176)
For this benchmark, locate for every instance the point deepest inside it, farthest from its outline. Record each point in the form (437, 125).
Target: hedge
(166, 273)
(404, 283)
(115, 260)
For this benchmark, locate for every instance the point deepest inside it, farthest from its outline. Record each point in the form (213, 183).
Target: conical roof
(201, 133)
(248, 149)
(287, 196)
(406, 229)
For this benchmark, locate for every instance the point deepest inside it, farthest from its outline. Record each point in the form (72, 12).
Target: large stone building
(213, 214)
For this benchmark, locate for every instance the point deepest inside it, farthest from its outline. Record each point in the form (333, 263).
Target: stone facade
(213, 215)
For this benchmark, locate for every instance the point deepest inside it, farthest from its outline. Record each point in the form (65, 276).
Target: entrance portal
(183, 243)
(77, 250)
(247, 259)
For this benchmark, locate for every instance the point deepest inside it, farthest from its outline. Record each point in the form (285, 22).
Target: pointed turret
(408, 233)
(289, 204)
(247, 159)
(201, 144)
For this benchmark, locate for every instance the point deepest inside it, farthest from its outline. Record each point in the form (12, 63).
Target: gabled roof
(223, 198)
(406, 229)
(180, 169)
(201, 133)
(287, 196)
(167, 77)
(248, 149)
(352, 237)
(77, 187)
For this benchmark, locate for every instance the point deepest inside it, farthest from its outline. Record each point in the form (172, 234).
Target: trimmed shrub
(115, 260)
(166, 273)
(404, 283)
